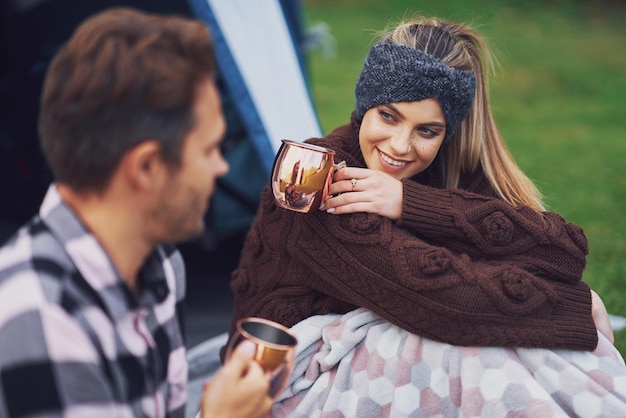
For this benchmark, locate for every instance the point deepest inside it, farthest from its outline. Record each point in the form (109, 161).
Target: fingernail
(331, 210)
(322, 206)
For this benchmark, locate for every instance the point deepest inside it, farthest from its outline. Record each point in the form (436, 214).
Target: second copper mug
(301, 175)
(274, 349)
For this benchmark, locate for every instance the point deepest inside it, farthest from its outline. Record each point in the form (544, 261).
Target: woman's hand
(364, 190)
(240, 388)
(601, 317)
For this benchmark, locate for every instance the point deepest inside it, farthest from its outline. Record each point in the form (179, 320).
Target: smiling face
(402, 139)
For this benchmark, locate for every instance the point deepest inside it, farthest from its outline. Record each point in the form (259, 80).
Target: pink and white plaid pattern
(359, 365)
(75, 341)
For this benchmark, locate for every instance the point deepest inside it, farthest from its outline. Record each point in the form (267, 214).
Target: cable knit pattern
(497, 229)
(459, 267)
(484, 227)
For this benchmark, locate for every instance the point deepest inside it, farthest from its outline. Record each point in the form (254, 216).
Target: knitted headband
(396, 73)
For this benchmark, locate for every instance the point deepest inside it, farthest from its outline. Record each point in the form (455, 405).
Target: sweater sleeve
(485, 227)
(368, 261)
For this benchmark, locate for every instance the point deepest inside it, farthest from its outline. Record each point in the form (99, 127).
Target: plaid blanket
(359, 365)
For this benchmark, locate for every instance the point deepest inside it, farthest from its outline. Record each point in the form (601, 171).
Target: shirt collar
(94, 264)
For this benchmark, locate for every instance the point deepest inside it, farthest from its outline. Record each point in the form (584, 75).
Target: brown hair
(123, 77)
(478, 140)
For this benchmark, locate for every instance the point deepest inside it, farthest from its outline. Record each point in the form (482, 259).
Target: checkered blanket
(359, 365)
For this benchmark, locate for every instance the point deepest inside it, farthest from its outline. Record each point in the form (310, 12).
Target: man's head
(124, 77)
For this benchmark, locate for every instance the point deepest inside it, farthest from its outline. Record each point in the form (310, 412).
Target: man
(130, 123)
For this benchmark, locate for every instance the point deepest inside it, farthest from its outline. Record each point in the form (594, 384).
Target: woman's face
(402, 139)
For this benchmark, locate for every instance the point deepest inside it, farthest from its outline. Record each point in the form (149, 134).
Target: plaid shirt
(75, 341)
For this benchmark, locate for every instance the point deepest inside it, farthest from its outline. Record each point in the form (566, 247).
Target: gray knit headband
(396, 73)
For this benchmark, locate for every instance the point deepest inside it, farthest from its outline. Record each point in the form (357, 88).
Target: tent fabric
(265, 96)
(261, 66)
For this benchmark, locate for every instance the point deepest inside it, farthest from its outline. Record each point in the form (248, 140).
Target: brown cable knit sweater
(460, 266)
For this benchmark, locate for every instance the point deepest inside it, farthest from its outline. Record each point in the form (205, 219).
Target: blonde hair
(478, 140)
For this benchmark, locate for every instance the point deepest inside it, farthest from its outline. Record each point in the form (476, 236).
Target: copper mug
(274, 348)
(301, 175)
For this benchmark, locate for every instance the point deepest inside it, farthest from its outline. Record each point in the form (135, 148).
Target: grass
(559, 97)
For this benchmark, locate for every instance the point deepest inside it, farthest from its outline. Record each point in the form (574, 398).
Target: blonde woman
(434, 243)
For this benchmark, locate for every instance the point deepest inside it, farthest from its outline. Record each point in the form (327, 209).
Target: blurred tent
(265, 98)
(262, 79)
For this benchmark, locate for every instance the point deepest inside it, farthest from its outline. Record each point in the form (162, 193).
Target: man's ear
(143, 166)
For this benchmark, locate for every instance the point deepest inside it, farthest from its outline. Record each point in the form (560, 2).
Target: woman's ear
(143, 166)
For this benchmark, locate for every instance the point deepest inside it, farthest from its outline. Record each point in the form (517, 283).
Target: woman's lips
(390, 161)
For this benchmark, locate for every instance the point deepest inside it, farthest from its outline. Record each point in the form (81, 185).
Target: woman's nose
(400, 142)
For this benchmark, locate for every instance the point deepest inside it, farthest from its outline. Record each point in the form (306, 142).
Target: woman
(433, 242)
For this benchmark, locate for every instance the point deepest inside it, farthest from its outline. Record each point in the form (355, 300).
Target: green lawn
(559, 97)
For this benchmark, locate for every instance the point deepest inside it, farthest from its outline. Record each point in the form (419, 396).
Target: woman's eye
(385, 115)
(428, 133)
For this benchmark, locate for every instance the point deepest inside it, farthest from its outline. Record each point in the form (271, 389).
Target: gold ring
(353, 181)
